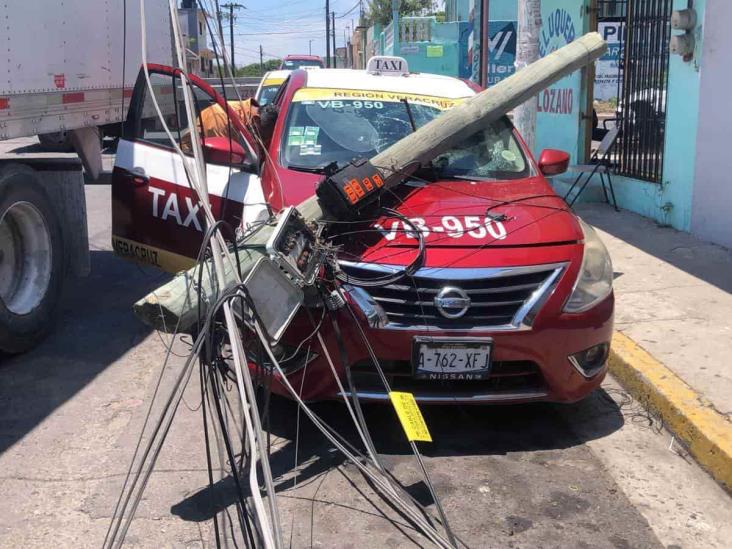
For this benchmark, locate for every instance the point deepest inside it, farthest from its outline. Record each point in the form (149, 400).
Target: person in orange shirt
(214, 121)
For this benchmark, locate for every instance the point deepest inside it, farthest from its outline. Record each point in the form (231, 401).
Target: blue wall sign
(558, 107)
(557, 30)
(501, 50)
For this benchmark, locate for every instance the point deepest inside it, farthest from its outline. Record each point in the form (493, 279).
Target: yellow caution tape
(410, 416)
(329, 94)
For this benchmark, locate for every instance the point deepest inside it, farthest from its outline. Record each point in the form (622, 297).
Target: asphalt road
(601, 473)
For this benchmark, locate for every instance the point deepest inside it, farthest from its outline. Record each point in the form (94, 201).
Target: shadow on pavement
(27, 149)
(704, 260)
(95, 327)
(456, 431)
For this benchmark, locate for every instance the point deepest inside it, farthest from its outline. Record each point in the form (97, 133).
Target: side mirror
(222, 150)
(553, 162)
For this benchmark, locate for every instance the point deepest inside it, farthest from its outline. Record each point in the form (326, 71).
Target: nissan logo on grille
(452, 302)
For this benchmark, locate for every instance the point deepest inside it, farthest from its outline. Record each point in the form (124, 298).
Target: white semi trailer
(66, 67)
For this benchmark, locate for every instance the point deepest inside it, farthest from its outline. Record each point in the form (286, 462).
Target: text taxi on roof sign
(387, 65)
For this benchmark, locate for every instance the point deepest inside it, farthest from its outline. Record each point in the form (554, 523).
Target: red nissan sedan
(513, 301)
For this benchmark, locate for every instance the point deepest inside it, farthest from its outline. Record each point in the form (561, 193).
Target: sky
(286, 26)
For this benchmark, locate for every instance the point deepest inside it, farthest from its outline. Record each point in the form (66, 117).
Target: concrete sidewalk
(674, 301)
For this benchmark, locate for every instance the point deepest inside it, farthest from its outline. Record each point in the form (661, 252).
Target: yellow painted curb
(706, 433)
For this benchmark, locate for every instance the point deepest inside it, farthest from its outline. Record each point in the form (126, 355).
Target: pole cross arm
(176, 304)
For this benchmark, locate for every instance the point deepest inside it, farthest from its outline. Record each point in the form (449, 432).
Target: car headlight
(595, 280)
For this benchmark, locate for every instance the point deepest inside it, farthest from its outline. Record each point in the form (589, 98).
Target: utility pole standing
(347, 45)
(332, 24)
(527, 51)
(485, 60)
(261, 62)
(232, 6)
(327, 33)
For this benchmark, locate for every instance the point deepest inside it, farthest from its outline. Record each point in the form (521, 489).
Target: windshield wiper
(307, 169)
(409, 114)
(467, 177)
(504, 176)
(328, 169)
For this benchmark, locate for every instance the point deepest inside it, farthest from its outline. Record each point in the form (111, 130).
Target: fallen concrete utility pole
(176, 304)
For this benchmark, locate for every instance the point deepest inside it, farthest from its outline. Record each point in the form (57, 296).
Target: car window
(148, 126)
(211, 119)
(292, 64)
(321, 129)
(267, 94)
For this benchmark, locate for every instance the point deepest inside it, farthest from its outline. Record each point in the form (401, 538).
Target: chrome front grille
(500, 298)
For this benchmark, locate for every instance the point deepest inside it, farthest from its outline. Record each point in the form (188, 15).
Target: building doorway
(629, 88)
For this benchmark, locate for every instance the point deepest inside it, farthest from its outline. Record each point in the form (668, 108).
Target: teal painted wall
(559, 106)
(502, 10)
(445, 54)
(499, 10)
(457, 10)
(670, 202)
(682, 120)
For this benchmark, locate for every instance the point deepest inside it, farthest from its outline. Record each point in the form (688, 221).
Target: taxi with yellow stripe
(269, 85)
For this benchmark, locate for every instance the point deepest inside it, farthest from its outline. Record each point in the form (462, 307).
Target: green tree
(253, 68)
(379, 11)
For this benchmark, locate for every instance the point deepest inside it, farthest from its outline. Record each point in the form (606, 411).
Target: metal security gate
(642, 87)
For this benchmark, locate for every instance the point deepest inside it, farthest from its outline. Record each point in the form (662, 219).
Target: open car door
(156, 215)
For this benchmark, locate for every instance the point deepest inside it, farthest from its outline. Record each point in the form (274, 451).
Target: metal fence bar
(663, 98)
(644, 76)
(628, 77)
(642, 88)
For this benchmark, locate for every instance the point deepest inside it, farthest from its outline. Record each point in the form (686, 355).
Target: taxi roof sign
(388, 65)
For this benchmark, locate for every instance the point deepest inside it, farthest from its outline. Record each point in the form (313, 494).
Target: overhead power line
(278, 32)
(231, 6)
(357, 4)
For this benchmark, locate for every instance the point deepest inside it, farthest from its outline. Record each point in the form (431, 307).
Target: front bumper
(529, 365)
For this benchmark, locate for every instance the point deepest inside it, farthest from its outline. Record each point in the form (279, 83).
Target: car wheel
(31, 260)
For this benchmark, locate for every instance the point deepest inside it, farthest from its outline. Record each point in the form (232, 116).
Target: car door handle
(139, 177)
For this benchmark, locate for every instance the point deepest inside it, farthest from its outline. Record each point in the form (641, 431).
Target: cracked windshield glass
(322, 131)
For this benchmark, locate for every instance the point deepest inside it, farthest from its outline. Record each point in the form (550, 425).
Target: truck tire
(31, 260)
(56, 142)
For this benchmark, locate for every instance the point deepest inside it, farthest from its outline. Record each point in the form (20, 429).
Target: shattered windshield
(321, 131)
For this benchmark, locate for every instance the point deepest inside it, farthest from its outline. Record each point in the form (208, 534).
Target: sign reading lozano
(556, 101)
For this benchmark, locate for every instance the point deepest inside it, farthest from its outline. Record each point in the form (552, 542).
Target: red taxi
(513, 301)
(298, 61)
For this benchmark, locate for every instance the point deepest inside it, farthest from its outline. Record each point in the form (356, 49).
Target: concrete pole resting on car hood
(175, 304)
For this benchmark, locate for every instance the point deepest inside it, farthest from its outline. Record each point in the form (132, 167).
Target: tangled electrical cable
(218, 348)
(395, 277)
(238, 365)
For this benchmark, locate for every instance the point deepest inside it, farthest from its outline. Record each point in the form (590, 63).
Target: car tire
(31, 260)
